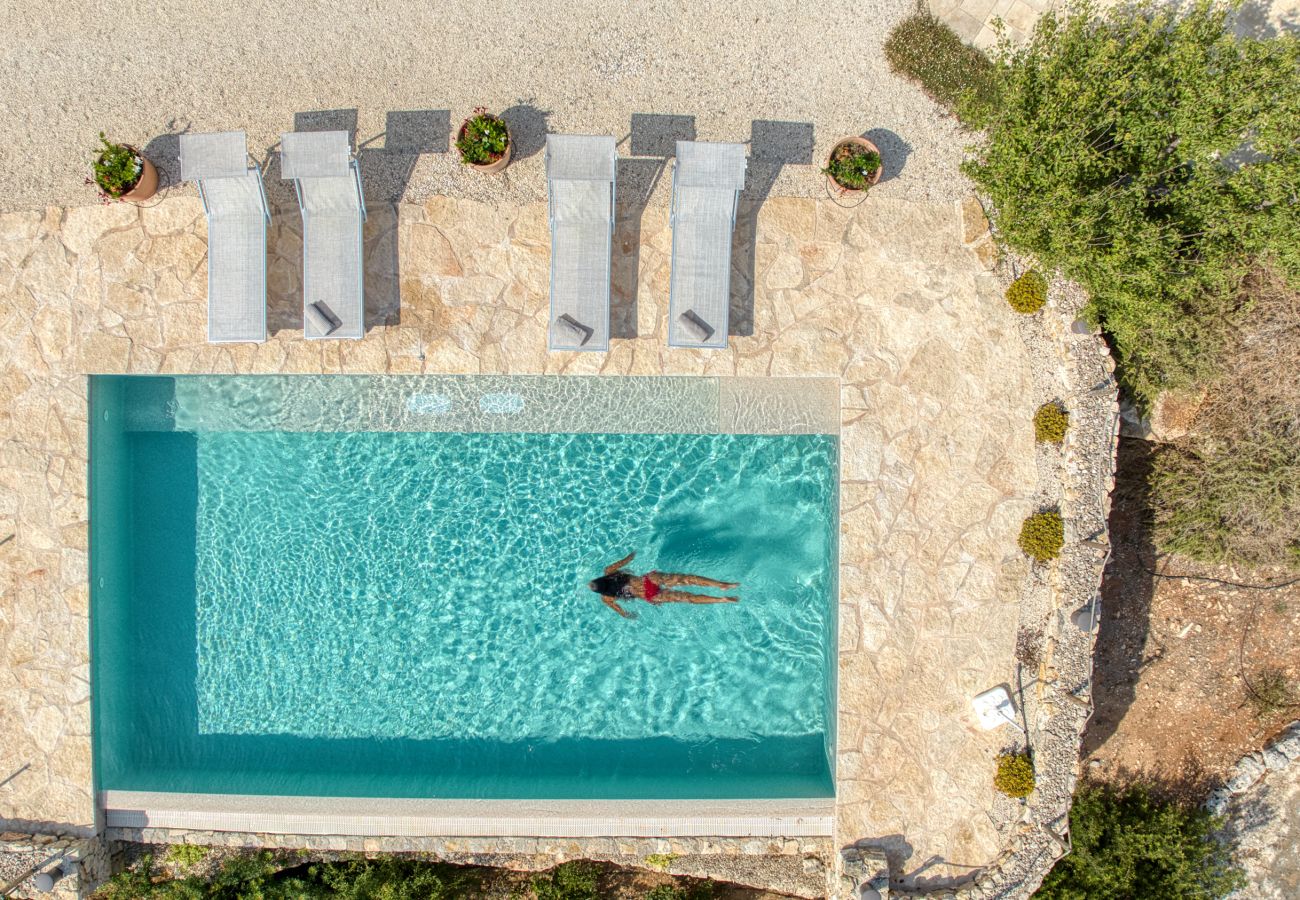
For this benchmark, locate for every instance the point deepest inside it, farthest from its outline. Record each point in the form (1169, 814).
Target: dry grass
(1230, 492)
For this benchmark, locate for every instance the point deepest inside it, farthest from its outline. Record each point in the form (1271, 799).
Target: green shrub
(482, 139)
(577, 880)
(266, 876)
(1127, 844)
(1015, 776)
(1050, 423)
(1028, 293)
(1043, 535)
(951, 72)
(186, 854)
(660, 860)
(699, 890)
(853, 166)
(117, 167)
(1116, 157)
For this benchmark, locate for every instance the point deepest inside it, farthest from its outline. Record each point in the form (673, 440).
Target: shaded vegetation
(267, 876)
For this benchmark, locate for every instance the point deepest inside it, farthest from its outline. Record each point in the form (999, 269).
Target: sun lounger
(235, 204)
(580, 183)
(707, 181)
(328, 182)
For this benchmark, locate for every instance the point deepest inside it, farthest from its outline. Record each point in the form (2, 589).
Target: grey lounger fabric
(328, 182)
(236, 209)
(580, 184)
(707, 181)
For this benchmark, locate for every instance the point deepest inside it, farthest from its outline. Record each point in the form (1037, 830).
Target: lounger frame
(716, 171)
(354, 326)
(571, 162)
(223, 150)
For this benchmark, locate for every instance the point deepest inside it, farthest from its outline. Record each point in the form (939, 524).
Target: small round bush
(1050, 423)
(1028, 293)
(1015, 776)
(1043, 535)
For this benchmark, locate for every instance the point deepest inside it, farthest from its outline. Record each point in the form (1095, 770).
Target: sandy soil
(1174, 657)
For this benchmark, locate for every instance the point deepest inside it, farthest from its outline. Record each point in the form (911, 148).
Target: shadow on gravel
(894, 151)
(164, 151)
(527, 129)
(1126, 592)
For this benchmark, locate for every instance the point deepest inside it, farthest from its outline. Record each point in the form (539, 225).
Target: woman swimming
(616, 585)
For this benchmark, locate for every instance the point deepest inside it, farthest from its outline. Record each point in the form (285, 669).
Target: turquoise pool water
(307, 609)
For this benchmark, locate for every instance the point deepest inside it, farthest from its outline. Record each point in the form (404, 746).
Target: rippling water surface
(406, 613)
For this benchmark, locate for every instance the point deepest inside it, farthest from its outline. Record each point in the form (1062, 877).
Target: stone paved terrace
(937, 453)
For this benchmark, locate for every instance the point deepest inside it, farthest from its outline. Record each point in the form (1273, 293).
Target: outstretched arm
(613, 604)
(614, 567)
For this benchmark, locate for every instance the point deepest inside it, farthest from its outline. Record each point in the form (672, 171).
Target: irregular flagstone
(937, 458)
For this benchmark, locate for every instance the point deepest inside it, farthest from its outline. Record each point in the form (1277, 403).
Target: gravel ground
(789, 77)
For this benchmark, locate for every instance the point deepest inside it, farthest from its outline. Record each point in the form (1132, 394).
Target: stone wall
(78, 863)
(790, 865)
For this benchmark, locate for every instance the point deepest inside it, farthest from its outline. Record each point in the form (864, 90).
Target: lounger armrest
(323, 317)
(568, 325)
(695, 326)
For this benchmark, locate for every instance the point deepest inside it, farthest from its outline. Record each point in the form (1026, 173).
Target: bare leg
(688, 597)
(671, 579)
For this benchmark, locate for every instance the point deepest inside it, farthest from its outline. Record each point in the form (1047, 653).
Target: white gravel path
(144, 71)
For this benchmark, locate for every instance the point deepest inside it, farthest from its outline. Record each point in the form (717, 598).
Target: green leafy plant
(1148, 153)
(483, 138)
(1050, 423)
(660, 860)
(1015, 775)
(950, 71)
(699, 890)
(853, 166)
(117, 168)
(1028, 293)
(267, 876)
(1042, 535)
(1128, 844)
(576, 880)
(187, 854)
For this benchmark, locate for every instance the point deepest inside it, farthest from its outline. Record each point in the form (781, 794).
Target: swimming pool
(376, 586)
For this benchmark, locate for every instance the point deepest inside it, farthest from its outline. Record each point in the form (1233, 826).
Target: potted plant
(121, 173)
(484, 142)
(854, 165)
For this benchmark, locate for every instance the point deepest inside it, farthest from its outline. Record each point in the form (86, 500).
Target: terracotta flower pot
(147, 186)
(865, 145)
(496, 165)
